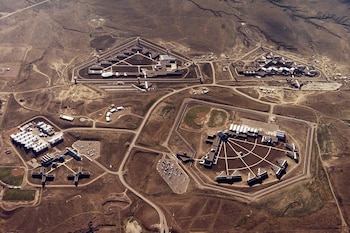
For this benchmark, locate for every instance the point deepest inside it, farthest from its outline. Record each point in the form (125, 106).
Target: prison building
(153, 55)
(66, 118)
(263, 175)
(55, 140)
(234, 128)
(216, 148)
(295, 149)
(268, 140)
(129, 52)
(38, 175)
(78, 175)
(71, 152)
(242, 136)
(106, 63)
(45, 128)
(108, 116)
(293, 155)
(70, 176)
(252, 179)
(46, 160)
(211, 157)
(54, 165)
(223, 177)
(43, 176)
(121, 56)
(38, 149)
(60, 159)
(184, 157)
(25, 127)
(281, 135)
(136, 49)
(231, 127)
(282, 163)
(245, 130)
(279, 172)
(28, 141)
(216, 144)
(242, 130)
(289, 147)
(168, 61)
(236, 176)
(21, 138)
(223, 136)
(113, 110)
(111, 60)
(210, 139)
(253, 132)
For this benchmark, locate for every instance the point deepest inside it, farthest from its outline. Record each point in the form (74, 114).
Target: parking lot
(169, 169)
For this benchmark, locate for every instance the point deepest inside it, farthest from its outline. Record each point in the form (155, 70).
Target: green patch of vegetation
(7, 177)
(324, 137)
(192, 115)
(167, 111)
(18, 195)
(217, 118)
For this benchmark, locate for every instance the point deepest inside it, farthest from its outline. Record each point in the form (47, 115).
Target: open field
(11, 175)
(217, 118)
(298, 112)
(18, 195)
(225, 96)
(195, 116)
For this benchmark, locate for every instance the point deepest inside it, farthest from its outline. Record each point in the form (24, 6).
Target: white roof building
(67, 118)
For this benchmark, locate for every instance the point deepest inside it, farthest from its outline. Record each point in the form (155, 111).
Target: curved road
(163, 226)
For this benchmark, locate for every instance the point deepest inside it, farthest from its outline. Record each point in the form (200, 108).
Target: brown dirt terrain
(142, 176)
(250, 91)
(79, 206)
(46, 41)
(124, 122)
(112, 148)
(225, 96)
(14, 109)
(10, 157)
(295, 111)
(333, 104)
(251, 116)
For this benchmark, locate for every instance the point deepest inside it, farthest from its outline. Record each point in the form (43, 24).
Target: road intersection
(163, 225)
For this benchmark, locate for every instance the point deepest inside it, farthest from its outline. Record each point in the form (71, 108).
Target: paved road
(121, 174)
(163, 226)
